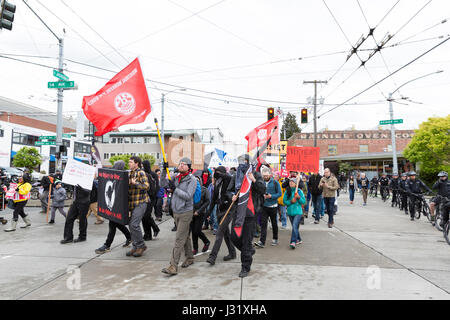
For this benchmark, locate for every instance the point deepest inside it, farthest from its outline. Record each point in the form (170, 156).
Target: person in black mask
(223, 193)
(247, 223)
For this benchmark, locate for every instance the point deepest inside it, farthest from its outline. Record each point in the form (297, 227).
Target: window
(21, 138)
(113, 140)
(363, 148)
(138, 140)
(106, 156)
(1, 132)
(389, 148)
(126, 140)
(82, 148)
(113, 155)
(332, 149)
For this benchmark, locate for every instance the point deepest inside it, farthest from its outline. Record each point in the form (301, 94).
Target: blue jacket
(274, 189)
(294, 209)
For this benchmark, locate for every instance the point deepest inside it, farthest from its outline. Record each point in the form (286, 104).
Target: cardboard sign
(11, 191)
(303, 159)
(80, 173)
(113, 195)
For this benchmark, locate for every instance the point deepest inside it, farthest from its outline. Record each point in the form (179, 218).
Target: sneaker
(51, 222)
(139, 252)
(259, 244)
(155, 233)
(99, 222)
(131, 252)
(127, 243)
(102, 249)
(275, 242)
(174, 228)
(147, 237)
(187, 263)
(214, 232)
(283, 227)
(171, 270)
(292, 245)
(229, 257)
(206, 247)
(64, 241)
(79, 240)
(243, 273)
(211, 260)
(298, 242)
(194, 252)
(412, 218)
(316, 222)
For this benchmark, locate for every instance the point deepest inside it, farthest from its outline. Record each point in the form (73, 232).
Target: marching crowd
(202, 199)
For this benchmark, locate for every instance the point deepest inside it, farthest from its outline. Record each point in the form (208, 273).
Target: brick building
(366, 150)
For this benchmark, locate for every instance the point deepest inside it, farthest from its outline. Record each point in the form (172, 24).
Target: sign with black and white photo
(113, 195)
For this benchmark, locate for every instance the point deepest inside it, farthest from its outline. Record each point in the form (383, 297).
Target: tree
(290, 122)
(126, 158)
(430, 147)
(344, 167)
(27, 157)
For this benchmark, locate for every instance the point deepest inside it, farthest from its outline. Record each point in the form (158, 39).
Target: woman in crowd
(351, 188)
(294, 201)
(198, 218)
(20, 201)
(58, 197)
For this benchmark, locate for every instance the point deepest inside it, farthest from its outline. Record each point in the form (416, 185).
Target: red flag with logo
(123, 100)
(258, 136)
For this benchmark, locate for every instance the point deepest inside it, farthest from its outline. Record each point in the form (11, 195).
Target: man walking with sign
(183, 188)
(137, 203)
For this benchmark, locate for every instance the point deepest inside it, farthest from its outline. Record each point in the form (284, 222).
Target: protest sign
(303, 159)
(113, 195)
(77, 172)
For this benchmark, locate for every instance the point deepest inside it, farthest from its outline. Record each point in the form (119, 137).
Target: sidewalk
(373, 252)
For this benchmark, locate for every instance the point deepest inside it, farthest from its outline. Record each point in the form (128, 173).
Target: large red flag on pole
(258, 136)
(123, 100)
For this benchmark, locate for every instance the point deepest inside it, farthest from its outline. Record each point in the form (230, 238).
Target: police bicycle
(385, 195)
(439, 211)
(421, 206)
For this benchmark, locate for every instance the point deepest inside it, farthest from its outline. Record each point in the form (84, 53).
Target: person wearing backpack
(270, 208)
(201, 203)
(147, 221)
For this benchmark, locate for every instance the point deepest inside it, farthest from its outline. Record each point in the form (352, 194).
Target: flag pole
(162, 147)
(232, 202)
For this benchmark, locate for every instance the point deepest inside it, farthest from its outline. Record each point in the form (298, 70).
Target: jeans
(112, 232)
(135, 226)
(322, 212)
(295, 222)
(308, 198)
(329, 202)
(317, 204)
(283, 210)
(352, 194)
(266, 214)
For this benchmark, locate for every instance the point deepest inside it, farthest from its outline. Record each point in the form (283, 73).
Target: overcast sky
(248, 48)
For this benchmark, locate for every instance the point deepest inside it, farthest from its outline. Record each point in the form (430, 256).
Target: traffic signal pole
(315, 82)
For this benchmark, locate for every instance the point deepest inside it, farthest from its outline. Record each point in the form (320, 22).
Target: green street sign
(60, 75)
(382, 122)
(47, 137)
(65, 135)
(61, 84)
(45, 143)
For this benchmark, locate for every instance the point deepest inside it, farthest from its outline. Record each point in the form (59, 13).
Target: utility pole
(315, 82)
(59, 124)
(394, 147)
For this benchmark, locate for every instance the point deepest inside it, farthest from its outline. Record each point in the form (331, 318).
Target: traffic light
(270, 113)
(304, 115)
(6, 14)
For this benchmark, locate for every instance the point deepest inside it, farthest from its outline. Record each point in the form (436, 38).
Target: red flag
(123, 100)
(245, 203)
(258, 136)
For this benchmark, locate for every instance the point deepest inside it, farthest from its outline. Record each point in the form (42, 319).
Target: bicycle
(439, 212)
(373, 192)
(385, 195)
(421, 206)
(397, 200)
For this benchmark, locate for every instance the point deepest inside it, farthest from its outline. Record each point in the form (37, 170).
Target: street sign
(395, 121)
(45, 143)
(60, 75)
(47, 137)
(61, 84)
(65, 135)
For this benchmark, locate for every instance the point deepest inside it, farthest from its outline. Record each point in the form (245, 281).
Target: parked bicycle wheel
(438, 221)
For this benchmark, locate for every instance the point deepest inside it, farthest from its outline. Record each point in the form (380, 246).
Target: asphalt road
(373, 252)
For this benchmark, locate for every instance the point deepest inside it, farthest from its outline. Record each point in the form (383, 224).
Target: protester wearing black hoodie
(223, 192)
(147, 221)
(316, 195)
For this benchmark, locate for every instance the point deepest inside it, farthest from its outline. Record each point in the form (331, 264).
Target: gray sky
(240, 48)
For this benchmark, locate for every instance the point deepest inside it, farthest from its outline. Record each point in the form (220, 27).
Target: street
(374, 252)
